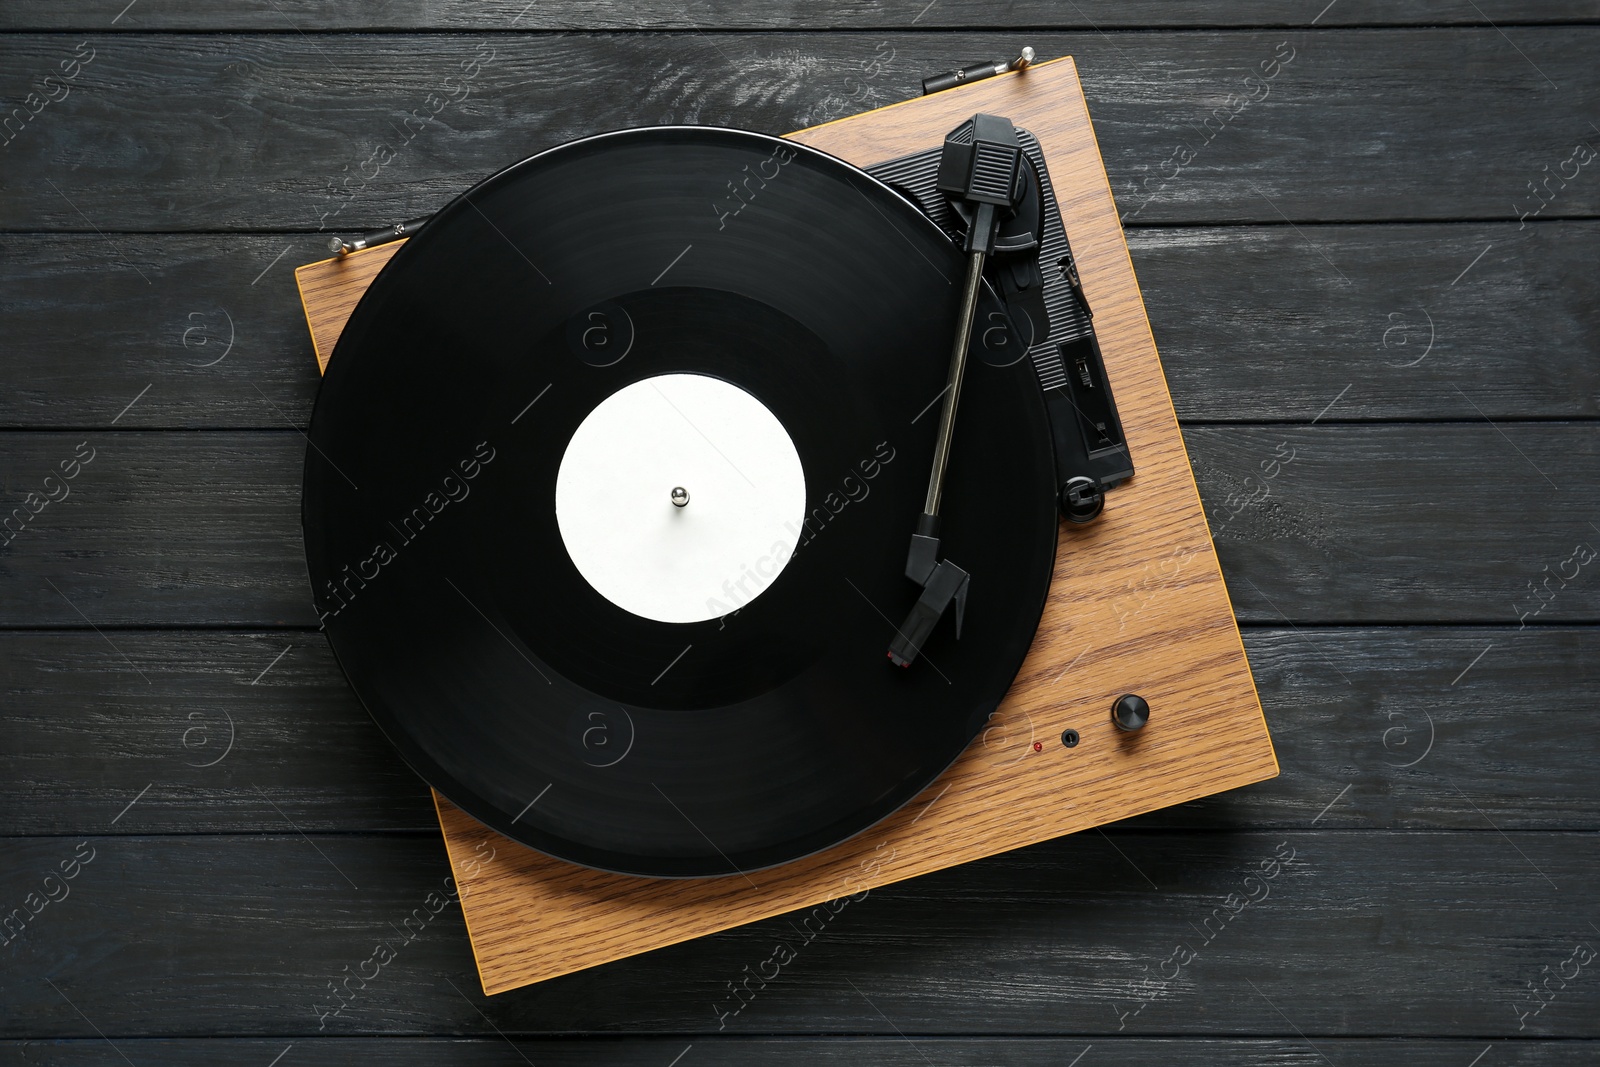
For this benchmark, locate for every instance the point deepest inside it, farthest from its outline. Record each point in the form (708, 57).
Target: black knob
(1130, 712)
(1082, 499)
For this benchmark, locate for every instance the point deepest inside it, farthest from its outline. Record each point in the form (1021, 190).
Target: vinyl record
(576, 657)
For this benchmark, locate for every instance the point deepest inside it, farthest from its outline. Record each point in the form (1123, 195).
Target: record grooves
(769, 730)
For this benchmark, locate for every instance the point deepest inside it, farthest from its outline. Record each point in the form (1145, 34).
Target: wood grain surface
(1061, 939)
(198, 149)
(1342, 699)
(1425, 350)
(287, 16)
(284, 132)
(330, 290)
(889, 1052)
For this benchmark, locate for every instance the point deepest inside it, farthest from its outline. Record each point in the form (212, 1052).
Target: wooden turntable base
(1137, 605)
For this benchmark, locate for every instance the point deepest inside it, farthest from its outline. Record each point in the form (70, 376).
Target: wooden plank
(1364, 934)
(495, 1051)
(81, 734)
(1378, 720)
(233, 732)
(1273, 322)
(1472, 547)
(1252, 322)
(220, 131)
(209, 322)
(591, 15)
(1367, 524)
(155, 529)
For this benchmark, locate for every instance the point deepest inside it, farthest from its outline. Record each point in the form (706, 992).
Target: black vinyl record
(454, 607)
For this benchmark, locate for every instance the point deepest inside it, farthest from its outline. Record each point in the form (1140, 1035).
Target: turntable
(726, 524)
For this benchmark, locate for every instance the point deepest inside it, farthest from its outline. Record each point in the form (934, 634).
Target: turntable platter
(509, 581)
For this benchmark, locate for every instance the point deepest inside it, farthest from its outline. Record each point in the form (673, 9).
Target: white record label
(721, 549)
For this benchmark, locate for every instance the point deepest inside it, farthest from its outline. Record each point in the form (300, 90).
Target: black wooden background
(1386, 264)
